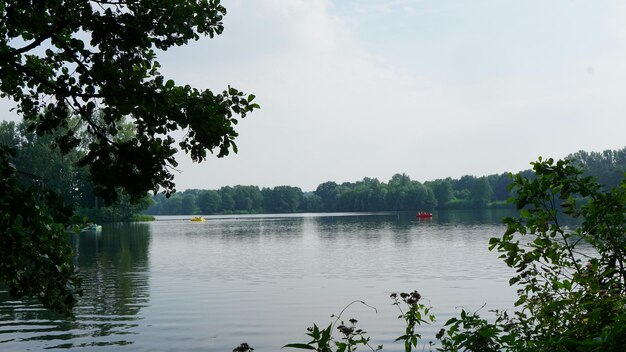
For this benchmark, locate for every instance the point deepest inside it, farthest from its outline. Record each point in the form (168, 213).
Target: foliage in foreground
(95, 62)
(60, 173)
(36, 256)
(571, 279)
(350, 337)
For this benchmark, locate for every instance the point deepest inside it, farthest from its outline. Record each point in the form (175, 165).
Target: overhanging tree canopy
(60, 58)
(74, 63)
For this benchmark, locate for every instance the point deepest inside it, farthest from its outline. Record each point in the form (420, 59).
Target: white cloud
(333, 110)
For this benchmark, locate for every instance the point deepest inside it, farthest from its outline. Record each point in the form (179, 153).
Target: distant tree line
(608, 167)
(400, 193)
(64, 175)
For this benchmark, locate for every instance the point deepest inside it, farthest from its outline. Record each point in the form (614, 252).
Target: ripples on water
(177, 285)
(114, 269)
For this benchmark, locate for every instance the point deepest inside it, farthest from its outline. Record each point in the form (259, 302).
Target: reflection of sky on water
(209, 286)
(264, 280)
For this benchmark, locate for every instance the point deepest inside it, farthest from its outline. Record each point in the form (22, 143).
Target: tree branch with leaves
(95, 62)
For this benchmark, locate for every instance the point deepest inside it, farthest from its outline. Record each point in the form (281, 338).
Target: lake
(174, 284)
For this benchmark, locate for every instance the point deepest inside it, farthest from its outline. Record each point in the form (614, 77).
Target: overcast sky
(433, 88)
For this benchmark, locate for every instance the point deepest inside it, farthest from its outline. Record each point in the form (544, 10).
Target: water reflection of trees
(401, 227)
(252, 229)
(473, 217)
(114, 269)
(341, 227)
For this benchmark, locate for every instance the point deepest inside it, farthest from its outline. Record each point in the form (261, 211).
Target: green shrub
(571, 279)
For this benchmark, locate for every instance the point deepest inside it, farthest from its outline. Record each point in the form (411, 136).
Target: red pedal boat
(424, 215)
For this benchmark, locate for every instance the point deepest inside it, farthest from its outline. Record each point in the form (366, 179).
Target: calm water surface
(178, 285)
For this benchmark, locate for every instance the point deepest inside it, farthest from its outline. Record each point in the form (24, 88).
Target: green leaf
(451, 321)
(302, 346)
